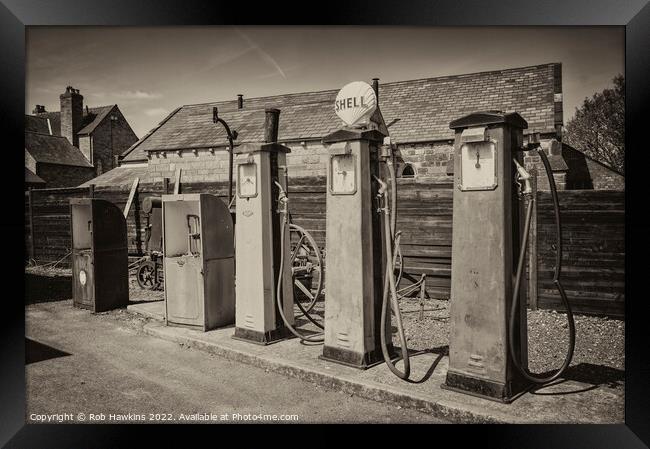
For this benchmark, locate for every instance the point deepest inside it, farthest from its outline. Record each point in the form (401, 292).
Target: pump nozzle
(382, 186)
(282, 198)
(282, 194)
(523, 175)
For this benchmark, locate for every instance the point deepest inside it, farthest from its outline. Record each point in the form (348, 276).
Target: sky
(148, 72)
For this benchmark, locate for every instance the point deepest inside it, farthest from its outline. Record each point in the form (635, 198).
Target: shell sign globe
(355, 103)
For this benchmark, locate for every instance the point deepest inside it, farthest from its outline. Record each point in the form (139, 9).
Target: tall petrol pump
(488, 334)
(353, 293)
(261, 240)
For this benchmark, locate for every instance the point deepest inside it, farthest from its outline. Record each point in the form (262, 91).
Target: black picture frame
(634, 15)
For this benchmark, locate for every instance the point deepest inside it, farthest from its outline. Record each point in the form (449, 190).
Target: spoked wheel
(146, 275)
(306, 263)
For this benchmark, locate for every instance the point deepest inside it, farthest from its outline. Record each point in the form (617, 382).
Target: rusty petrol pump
(262, 240)
(198, 261)
(199, 255)
(99, 255)
(488, 332)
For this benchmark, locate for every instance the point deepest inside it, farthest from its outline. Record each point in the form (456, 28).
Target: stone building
(70, 146)
(416, 112)
(587, 173)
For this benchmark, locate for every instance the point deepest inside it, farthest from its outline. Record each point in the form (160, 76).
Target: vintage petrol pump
(261, 174)
(100, 275)
(198, 262)
(488, 335)
(353, 294)
(483, 248)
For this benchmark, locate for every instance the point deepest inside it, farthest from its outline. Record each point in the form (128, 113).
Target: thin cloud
(266, 56)
(142, 94)
(128, 94)
(155, 111)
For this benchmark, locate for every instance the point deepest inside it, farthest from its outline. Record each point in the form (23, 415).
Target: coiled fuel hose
(556, 280)
(284, 213)
(389, 212)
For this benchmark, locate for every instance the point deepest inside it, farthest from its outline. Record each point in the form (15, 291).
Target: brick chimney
(71, 114)
(375, 87)
(271, 125)
(39, 109)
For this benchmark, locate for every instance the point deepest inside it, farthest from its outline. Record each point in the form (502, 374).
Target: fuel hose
(390, 288)
(556, 280)
(313, 338)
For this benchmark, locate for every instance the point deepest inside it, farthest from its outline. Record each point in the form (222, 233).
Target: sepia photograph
(325, 224)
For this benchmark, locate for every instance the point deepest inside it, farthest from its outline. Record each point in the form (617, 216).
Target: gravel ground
(137, 294)
(46, 283)
(599, 355)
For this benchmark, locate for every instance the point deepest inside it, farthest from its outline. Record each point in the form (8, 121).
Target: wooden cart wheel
(146, 275)
(306, 263)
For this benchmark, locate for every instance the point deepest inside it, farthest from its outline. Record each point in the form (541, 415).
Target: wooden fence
(593, 255)
(48, 223)
(593, 234)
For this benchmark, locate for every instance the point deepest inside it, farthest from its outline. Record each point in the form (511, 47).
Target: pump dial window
(478, 166)
(247, 180)
(343, 174)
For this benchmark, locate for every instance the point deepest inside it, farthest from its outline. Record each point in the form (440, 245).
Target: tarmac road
(89, 364)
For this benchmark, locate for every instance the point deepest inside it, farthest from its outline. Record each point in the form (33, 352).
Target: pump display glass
(343, 176)
(478, 168)
(247, 180)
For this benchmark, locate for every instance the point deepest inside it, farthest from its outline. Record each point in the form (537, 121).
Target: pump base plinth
(262, 338)
(201, 328)
(483, 388)
(354, 359)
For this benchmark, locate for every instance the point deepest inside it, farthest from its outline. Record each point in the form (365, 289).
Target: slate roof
(94, 118)
(91, 118)
(55, 121)
(421, 109)
(122, 177)
(49, 149)
(32, 178)
(36, 124)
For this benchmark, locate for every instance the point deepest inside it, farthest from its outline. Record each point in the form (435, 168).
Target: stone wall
(604, 178)
(429, 160)
(111, 138)
(586, 173)
(85, 146)
(432, 162)
(305, 160)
